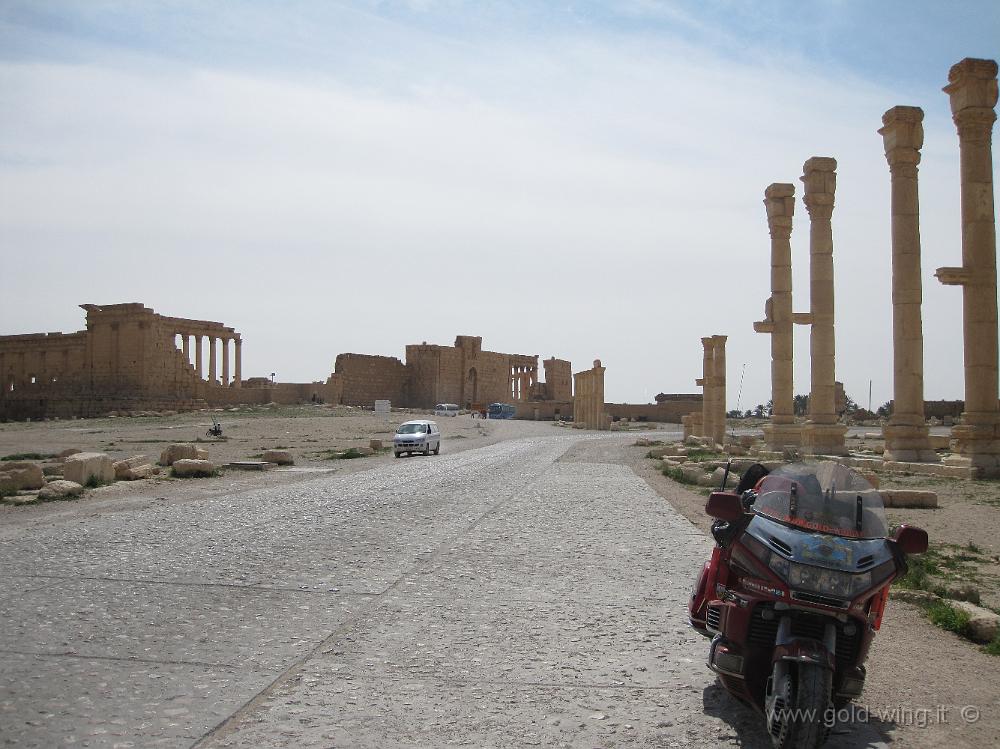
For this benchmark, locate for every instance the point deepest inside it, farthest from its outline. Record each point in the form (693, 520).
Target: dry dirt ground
(920, 677)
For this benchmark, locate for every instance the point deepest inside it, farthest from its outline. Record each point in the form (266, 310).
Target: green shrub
(948, 617)
(350, 453)
(28, 456)
(921, 567)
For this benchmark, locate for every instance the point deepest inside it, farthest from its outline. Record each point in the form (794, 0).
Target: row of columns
(522, 379)
(972, 90)
(821, 434)
(237, 380)
(713, 384)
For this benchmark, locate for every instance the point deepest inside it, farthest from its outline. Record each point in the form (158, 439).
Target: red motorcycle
(795, 591)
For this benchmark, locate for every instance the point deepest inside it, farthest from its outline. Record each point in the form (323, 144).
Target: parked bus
(501, 411)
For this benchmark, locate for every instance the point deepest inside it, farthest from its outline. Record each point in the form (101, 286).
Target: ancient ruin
(821, 434)
(782, 431)
(588, 401)
(127, 358)
(906, 435)
(972, 89)
(132, 359)
(711, 421)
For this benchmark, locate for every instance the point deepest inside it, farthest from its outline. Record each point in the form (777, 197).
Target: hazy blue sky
(577, 179)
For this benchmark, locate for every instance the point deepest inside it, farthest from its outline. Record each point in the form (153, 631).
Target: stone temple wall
(558, 379)
(128, 359)
(667, 411)
(367, 378)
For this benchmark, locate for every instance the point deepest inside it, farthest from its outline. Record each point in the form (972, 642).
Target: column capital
(779, 202)
(972, 83)
(819, 175)
(902, 134)
(975, 124)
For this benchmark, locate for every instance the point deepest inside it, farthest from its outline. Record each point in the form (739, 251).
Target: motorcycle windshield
(826, 497)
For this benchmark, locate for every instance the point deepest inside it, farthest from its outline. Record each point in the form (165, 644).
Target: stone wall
(667, 411)
(462, 374)
(558, 379)
(128, 359)
(365, 379)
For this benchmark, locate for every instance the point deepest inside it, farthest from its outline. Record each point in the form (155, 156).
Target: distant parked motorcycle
(795, 591)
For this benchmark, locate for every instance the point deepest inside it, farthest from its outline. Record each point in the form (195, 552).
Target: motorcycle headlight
(821, 580)
(780, 565)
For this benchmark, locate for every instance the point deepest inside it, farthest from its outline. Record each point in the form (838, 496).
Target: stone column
(238, 382)
(972, 88)
(186, 342)
(197, 356)
(822, 434)
(211, 360)
(906, 434)
(225, 362)
(719, 388)
(782, 431)
(707, 393)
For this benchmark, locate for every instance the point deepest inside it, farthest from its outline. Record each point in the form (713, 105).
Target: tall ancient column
(238, 381)
(197, 356)
(211, 360)
(186, 342)
(782, 431)
(822, 434)
(707, 391)
(906, 434)
(225, 362)
(599, 394)
(719, 388)
(972, 88)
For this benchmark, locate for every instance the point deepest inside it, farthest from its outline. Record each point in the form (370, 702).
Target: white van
(417, 436)
(446, 409)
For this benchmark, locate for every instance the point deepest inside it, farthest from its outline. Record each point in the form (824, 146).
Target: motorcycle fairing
(819, 549)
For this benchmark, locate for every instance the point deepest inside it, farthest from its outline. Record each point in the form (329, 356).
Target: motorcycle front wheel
(798, 709)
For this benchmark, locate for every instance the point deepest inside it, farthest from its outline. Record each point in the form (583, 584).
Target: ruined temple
(129, 359)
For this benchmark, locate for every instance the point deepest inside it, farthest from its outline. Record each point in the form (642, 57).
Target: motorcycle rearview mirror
(724, 506)
(910, 539)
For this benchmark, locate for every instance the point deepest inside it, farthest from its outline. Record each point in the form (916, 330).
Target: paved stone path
(514, 595)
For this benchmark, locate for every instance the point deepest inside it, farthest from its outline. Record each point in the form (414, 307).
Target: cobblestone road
(529, 593)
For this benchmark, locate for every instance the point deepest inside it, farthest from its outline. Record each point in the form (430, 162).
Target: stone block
(180, 451)
(191, 468)
(86, 467)
(23, 474)
(732, 480)
(280, 457)
(983, 623)
(124, 467)
(939, 441)
(913, 498)
(132, 469)
(60, 490)
(375, 444)
(67, 452)
(52, 469)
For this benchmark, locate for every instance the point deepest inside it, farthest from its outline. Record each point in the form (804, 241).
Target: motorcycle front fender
(804, 650)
